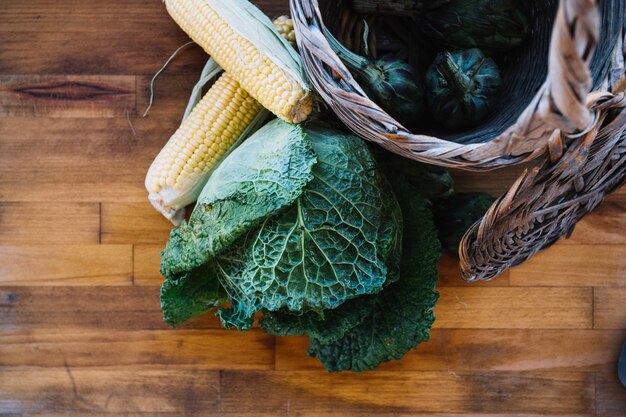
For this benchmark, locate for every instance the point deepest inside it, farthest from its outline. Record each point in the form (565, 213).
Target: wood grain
(140, 37)
(146, 264)
(115, 389)
(391, 414)
(30, 308)
(415, 392)
(41, 223)
(196, 349)
(66, 265)
(606, 226)
(487, 350)
(570, 265)
(119, 53)
(609, 308)
(514, 308)
(67, 96)
(450, 275)
(134, 224)
(103, 161)
(611, 395)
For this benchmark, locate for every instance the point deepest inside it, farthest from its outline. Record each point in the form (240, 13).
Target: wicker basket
(546, 202)
(562, 101)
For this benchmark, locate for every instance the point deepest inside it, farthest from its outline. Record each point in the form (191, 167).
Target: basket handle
(574, 39)
(545, 203)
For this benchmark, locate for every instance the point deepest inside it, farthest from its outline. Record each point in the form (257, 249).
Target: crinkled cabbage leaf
(362, 333)
(265, 174)
(339, 238)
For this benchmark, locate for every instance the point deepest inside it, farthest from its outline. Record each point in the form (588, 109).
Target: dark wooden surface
(80, 328)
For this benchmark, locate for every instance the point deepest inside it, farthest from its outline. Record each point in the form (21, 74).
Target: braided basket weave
(562, 102)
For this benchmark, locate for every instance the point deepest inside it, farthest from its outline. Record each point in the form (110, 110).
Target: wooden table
(80, 328)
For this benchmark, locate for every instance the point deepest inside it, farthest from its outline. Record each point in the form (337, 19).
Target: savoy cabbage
(301, 223)
(362, 333)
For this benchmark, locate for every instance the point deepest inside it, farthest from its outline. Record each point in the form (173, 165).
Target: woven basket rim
(559, 104)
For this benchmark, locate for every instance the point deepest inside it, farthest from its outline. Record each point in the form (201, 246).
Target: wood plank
(609, 308)
(618, 195)
(146, 264)
(409, 392)
(52, 308)
(140, 37)
(79, 160)
(67, 95)
(171, 95)
(610, 395)
(119, 53)
(114, 389)
(46, 223)
(606, 225)
(83, 16)
(193, 413)
(391, 414)
(195, 349)
(450, 275)
(487, 350)
(134, 223)
(177, 414)
(574, 265)
(296, 414)
(95, 16)
(66, 265)
(514, 308)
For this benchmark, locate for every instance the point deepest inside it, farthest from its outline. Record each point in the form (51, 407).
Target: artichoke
(391, 82)
(493, 25)
(461, 88)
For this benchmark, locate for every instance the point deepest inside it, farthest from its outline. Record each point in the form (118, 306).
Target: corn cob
(181, 169)
(284, 26)
(209, 130)
(246, 44)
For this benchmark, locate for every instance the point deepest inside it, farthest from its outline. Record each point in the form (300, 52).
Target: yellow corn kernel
(181, 169)
(284, 26)
(286, 95)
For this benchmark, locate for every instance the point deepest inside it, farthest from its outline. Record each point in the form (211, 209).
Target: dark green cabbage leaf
(339, 238)
(401, 316)
(262, 176)
(191, 294)
(362, 333)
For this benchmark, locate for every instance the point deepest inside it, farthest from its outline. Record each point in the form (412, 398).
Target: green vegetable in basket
(456, 214)
(461, 87)
(391, 82)
(493, 25)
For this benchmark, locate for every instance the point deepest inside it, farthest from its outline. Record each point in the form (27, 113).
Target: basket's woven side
(569, 61)
(545, 203)
(561, 102)
(569, 81)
